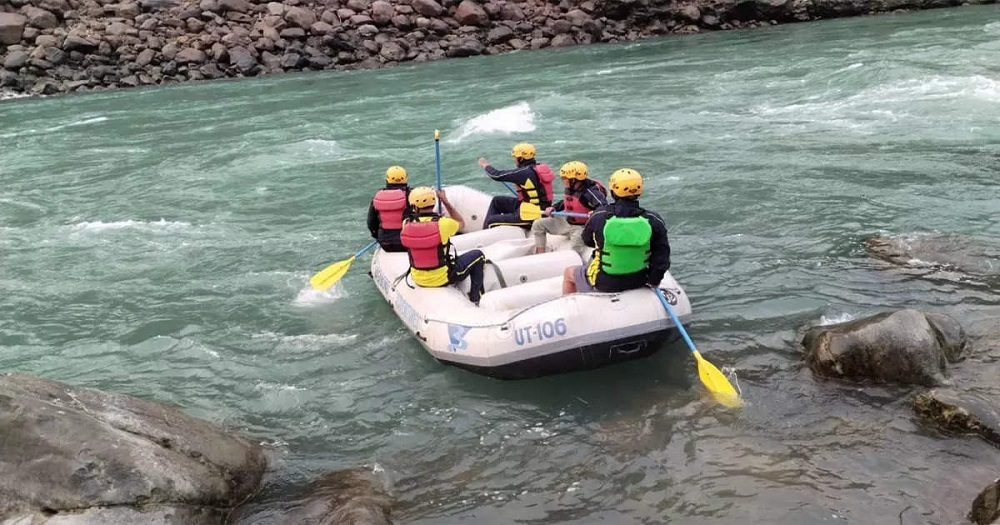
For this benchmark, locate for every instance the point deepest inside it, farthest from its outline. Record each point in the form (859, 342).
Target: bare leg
(568, 285)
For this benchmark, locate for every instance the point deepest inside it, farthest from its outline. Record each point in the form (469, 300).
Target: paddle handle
(365, 249)
(437, 163)
(512, 190)
(677, 322)
(570, 214)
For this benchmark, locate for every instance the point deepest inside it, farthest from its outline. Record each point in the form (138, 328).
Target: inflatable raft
(524, 327)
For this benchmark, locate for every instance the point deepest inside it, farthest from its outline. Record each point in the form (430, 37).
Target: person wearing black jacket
(534, 186)
(388, 209)
(582, 196)
(631, 249)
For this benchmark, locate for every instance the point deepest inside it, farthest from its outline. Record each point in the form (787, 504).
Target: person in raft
(582, 195)
(631, 245)
(388, 209)
(427, 239)
(534, 188)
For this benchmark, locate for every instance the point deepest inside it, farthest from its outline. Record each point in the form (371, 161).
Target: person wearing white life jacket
(533, 181)
(582, 195)
(388, 209)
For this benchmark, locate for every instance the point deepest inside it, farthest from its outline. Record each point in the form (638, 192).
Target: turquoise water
(158, 243)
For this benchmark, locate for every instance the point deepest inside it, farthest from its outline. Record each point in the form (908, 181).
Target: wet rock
(242, 60)
(82, 452)
(465, 48)
(905, 347)
(11, 28)
(563, 40)
(969, 255)
(352, 496)
(986, 507)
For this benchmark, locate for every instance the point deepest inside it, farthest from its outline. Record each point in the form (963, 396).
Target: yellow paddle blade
(716, 383)
(530, 212)
(330, 275)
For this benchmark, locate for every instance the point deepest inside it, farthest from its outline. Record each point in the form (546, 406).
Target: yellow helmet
(573, 170)
(523, 151)
(423, 197)
(626, 182)
(395, 175)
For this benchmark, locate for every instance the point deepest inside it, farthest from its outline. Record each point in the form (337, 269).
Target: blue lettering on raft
(539, 332)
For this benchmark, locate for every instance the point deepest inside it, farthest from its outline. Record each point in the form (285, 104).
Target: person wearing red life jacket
(582, 195)
(388, 209)
(631, 249)
(427, 239)
(534, 186)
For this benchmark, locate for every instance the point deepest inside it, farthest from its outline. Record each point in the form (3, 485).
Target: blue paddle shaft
(437, 162)
(512, 190)
(677, 322)
(365, 249)
(570, 214)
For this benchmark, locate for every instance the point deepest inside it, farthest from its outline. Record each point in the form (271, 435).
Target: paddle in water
(713, 379)
(329, 276)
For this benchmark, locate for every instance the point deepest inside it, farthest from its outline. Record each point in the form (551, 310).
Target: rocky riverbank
(58, 46)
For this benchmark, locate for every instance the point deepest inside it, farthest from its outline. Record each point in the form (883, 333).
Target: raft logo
(456, 337)
(669, 296)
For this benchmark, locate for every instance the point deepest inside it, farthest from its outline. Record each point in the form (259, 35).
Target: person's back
(388, 209)
(631, 248)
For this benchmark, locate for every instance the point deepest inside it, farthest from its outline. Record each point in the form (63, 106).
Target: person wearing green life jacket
(631, 249)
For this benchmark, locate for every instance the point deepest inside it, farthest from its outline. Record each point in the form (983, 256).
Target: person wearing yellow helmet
(427, 238)
(631, 249)
(534, 187)
(581, 195)
(388, 209)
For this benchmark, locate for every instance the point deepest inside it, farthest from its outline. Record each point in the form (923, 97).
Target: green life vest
(626, 245)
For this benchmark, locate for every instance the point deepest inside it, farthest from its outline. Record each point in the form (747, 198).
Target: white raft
(524, 327)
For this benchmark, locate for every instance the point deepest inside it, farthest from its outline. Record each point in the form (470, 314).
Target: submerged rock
(905, 347)
(960, 412)
(78, 455)
(986, 507)
(968, 255)
(352, 496)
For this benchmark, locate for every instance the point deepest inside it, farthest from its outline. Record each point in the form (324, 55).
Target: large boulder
(968, 255)
(906, 347)
(469, 13)
(77, 455)
(352, 496)
(11, 28)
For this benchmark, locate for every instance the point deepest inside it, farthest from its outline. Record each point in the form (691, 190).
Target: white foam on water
(316, 147)
(6, 95)
(303, 340)
(160, 226)
(75, 123)
(277, 387)
(309, 296)
(518, 118)
(835, 319)
(992, 27)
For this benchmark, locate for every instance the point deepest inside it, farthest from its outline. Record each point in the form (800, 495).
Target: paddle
(331, 274)
(711, 377)
(437, 162)
(531, 212)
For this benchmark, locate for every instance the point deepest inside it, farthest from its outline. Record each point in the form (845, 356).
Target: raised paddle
(437, 162)
(713, 379)
(331, 274)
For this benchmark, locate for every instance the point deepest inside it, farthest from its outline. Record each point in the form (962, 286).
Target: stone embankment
(56, 46)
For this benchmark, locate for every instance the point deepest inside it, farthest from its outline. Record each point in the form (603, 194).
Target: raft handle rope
(730, 373)
(520, 312)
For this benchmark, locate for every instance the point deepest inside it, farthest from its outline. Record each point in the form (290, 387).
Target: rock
(972, 256)
(169, 51)
(157, 5)
(109, 456)
(15, 59)
(291, 61)
(276, 8)
(292, 32)
(466, 47)
(577, 17)
(11, 28)
(986, 507)
(117, 29)
(382, 12)
(560, 27)
(352, 496)
(242, 60)
(960, 412)
(469, 13)
(77, 42)
(238, 6)
(691, 13)
(56, 6)
(145, 57)
(428, 8)
(300, 17)
(321, 28)
(906, 346)
(392, 51)
(563, 40)
(128, 10)
(190, 55)
(499, 35)
(39, 18)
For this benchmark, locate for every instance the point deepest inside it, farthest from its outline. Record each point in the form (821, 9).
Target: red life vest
(390, 205)
(573, 204)
(545, 176)
(423, 242)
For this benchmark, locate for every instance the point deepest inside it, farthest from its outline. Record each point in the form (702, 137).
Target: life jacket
(528, 192)
(573, 204)
(390, 204)
(428, 256)
(626, 245)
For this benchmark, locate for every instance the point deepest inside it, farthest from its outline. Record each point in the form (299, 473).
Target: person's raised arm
(452, 212)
